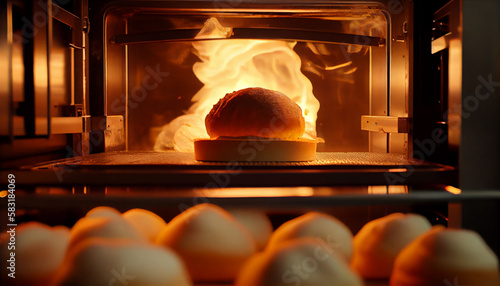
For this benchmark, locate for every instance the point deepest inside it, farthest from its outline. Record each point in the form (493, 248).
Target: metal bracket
(385, 124)
(107, 133)
(110, 122)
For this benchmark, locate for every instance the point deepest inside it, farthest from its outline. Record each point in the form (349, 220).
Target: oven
(102, 101)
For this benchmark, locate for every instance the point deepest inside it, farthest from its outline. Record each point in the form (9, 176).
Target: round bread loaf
(255, 112)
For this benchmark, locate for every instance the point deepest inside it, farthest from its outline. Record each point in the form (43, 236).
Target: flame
(230, 64)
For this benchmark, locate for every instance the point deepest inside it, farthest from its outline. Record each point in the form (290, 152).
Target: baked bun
(378, 243)
(256, 112)
(446, 257)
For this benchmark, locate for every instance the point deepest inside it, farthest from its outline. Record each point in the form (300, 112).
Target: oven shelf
(144, 159)
(180, 169)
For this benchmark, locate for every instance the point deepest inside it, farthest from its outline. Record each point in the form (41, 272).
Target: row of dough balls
(209, 244)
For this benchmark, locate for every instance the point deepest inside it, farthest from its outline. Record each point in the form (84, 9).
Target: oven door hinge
(85, 25)
(385, 124)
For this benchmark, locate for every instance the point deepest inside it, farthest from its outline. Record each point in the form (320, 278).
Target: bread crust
(255, 112)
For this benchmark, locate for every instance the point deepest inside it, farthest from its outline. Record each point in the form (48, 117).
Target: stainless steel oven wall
(479, 153)
(400, 84)
(394, 97)
(42, 47)
(480, 137)
(456, 102)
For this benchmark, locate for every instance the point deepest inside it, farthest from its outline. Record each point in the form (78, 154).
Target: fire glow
(231, 64)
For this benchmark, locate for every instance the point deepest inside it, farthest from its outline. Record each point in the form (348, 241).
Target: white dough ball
(442, 255)
(212, 243)
(103, 261)
(145, 222)
(304, 261)
(103, 211)
(378, 243)
(317, 225)
(39, 251)
(105, 227)
(257, 223)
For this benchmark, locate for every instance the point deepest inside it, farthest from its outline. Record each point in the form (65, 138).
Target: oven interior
(145, 79)
(153, 70)
(337, 55)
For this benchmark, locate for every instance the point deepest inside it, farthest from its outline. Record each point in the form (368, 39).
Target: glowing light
(453, 190)
(380, 190)
(384, 190)
(264, 192)
(231, 64)
(398, 189)
(3, 194)
(397, 170)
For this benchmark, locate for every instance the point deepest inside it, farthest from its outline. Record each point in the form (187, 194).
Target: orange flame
(229, 65)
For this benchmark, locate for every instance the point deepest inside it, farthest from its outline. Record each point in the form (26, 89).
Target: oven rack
(176, 169)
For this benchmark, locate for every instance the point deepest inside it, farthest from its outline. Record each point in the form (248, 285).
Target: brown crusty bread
(256, 112)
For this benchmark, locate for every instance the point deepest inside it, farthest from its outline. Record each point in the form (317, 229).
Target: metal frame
(42, 47)
(279, 203)
(479, 152)
(382, 103)
(6, 92)
(249, 33)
